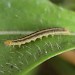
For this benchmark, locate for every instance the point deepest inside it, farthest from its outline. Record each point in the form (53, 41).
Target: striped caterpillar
(37, 34)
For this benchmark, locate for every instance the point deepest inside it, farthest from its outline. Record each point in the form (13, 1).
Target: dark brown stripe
(40, 33)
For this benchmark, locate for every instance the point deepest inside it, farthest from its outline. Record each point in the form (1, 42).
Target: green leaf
(32, 15)
(22, 60)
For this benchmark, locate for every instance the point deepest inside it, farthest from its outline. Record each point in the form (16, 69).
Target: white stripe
(21, 32)
(15, 32)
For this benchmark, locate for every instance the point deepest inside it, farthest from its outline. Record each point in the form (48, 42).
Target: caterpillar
(38, 34)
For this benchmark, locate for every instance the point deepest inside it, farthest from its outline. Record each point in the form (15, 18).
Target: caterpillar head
(8, 42)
